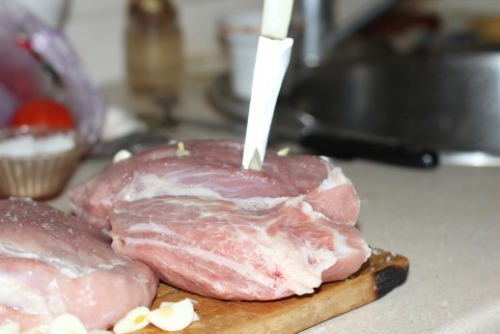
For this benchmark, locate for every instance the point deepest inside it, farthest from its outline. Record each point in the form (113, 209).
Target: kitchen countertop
(446, 221)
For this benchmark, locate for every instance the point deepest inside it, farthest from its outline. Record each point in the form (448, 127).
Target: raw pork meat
(212, 170)
(208, 226)
(215, 249)
(52, 263)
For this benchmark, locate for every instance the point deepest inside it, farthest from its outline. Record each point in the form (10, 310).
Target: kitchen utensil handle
(409, 155)
(276, 18)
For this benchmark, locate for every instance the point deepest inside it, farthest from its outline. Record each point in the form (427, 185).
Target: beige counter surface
(446, 221)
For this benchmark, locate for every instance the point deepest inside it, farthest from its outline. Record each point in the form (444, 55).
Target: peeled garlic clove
(67, 324)
(196, 317)
(100, 331)
(283, 152)
(10, 328)
(181, 150)
(121, 155)
(134, 320)
(174, 317)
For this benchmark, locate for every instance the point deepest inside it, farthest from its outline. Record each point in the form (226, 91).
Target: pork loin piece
(52, 263)
(212, 170)
(208, 226)
(216, 249)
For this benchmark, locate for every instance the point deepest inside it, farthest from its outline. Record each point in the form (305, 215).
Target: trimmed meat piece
(52, 263)
(216, 249)
(212, 170)
(206, 225)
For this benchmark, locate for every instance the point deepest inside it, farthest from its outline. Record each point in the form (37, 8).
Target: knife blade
(273, 56)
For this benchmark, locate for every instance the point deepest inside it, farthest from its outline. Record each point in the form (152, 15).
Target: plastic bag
(47, 66)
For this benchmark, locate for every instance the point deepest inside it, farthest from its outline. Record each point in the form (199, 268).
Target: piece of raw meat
(52, 263)
(208, 226)
(216, 249)
(212, 170)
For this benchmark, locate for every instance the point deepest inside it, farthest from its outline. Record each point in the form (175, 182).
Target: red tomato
(43, 112)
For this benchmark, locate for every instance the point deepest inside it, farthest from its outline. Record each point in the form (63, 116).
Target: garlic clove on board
(173, 317)
(134, 320)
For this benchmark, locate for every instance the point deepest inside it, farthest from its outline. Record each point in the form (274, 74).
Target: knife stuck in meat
(273, 56)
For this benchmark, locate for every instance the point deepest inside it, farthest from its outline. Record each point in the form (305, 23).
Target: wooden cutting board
(383, 272)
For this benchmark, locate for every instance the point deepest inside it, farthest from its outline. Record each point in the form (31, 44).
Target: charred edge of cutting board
(390, 276)
(388, 279)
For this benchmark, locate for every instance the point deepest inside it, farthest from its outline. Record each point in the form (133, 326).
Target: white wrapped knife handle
(276, 18)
